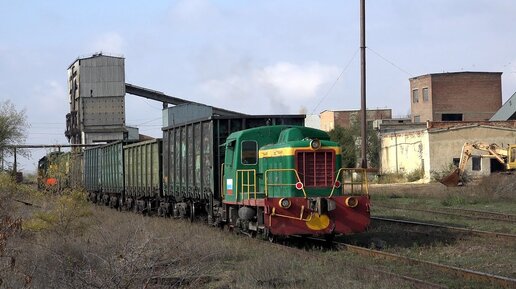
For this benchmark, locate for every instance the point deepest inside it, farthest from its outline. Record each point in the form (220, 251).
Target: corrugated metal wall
(91, 170)
(112, 169)
(142, 168)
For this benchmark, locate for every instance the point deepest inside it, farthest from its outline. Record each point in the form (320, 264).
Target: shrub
(391, 178)
(446, 170)
(454, 200)
(66, 215)
(415, 175)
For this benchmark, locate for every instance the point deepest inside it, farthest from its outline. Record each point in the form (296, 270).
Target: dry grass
(496, 187)
(61, 246)
(124, 250)
(73, 244)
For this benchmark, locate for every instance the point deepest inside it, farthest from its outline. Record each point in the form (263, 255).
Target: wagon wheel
(120, 204)
(192, 211)
(149, 207)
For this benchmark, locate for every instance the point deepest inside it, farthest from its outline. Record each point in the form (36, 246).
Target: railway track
(466, 274)
(487, 213)
(476, 214)
(458, 229)
(415, 282)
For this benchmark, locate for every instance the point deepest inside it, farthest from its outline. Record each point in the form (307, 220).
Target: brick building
(329, 119)
(455, 96)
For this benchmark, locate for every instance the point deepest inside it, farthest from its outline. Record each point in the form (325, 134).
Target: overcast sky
(258, 57)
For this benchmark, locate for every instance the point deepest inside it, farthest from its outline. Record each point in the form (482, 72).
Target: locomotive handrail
(246, 174)
(222, 194)
(282, 170)
(307, 219)
(351, 182)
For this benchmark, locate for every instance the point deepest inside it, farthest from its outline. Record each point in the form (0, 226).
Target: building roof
(355, 110)
(95, 55)
(441, 126)
(456, 124)
(507, 111)
(454, 73)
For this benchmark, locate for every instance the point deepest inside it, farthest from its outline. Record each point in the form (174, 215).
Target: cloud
(285, 85)
(110, 42)
(296, 82)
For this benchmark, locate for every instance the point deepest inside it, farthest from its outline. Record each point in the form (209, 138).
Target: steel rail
(504, 282)
(503, 215)
(417, 283)
(465, 230)
(507, 219)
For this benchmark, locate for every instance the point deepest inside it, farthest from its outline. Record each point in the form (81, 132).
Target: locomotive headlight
(351, 202)
(284, 203)
(315, 144)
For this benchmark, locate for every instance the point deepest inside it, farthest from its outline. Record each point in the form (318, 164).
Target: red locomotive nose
(51, 182)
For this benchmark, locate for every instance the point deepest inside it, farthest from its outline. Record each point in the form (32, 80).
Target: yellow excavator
(506, 156)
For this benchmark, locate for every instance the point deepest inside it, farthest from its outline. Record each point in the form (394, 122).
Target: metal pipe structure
(57, 146)
(363, 107)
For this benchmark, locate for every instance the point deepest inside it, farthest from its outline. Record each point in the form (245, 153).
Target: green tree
(349, 139)
(373, 147)
(346, 139)
(13, 129)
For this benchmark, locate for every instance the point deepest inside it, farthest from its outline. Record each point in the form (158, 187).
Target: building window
(425, 94)
(417, 118)
(249, 152)
(476, 163)
(415, 96)
(451, 117)
(456, 162)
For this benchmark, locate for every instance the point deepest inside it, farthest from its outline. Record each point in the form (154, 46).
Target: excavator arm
(504, 156)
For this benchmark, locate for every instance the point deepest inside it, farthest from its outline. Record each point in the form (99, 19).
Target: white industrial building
(438, 145)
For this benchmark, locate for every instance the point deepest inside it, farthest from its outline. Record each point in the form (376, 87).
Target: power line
(145, 122)
(150, 105)
(390, 62)
(335, 82)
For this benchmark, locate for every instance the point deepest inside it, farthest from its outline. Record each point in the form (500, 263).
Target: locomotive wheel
(269, 236)
(329, 239)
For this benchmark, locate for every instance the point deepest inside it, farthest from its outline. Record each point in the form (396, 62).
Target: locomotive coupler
(321, 205)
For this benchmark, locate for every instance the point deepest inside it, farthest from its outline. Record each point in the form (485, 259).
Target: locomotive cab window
(249, 152)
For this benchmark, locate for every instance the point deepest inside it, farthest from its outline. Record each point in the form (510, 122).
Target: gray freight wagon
(193, 152)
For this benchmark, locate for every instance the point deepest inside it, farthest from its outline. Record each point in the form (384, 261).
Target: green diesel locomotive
(288, 180)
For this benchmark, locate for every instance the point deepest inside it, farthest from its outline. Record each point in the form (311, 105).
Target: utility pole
(15, 168)
(363, 107)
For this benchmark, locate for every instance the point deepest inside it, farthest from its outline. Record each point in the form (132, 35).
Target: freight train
(258, 175)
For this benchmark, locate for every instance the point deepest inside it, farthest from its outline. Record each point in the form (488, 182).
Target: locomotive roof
(284, 133)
